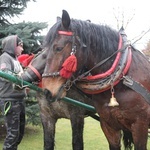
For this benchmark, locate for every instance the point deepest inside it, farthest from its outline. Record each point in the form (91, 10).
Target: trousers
(14, 117)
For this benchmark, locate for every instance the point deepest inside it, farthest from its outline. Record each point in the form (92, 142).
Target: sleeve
(6, 64)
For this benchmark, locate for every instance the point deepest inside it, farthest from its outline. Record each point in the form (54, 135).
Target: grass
(94, 139)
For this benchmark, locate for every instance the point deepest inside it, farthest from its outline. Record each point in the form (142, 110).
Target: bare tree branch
(116, 17)
(130, 19)
(141, 36)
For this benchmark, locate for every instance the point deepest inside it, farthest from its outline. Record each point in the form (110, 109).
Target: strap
(35, 71)
(137, 87)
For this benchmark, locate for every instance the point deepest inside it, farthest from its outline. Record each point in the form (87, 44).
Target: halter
(35, 71)
(70, 64)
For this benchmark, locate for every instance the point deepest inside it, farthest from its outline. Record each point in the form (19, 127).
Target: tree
(11, 8)
(29, 32)
(146, 51)
(123, 19)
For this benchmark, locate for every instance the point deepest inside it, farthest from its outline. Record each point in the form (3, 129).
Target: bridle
(35, 71)
(73, 51)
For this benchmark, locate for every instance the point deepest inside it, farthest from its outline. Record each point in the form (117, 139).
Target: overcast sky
(98, 11)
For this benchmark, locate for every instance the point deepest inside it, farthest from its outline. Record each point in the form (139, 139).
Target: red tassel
(65, 74)
(69, 66)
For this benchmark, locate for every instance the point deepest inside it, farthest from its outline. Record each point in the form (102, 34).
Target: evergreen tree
(11, 8)
(29, 32)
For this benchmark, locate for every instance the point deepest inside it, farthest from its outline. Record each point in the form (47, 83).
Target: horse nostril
(48, 94)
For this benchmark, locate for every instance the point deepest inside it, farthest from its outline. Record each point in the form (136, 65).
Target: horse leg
(48, 122)
(140, 135)
(113, 136)
(77, 124)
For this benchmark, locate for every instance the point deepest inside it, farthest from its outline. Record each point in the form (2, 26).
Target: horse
(101, 62)
(51, 112)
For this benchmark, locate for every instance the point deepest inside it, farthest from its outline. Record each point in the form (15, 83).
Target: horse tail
(127, 140)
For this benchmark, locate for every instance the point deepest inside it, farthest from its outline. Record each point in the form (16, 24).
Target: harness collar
(111, 70)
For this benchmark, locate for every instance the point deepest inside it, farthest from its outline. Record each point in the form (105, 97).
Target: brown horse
(102, 63)
(51, 112)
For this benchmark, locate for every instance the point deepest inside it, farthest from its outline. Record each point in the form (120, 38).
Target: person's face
(19, 49)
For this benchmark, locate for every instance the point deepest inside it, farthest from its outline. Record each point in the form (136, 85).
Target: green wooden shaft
(18, 81)
(22, 83)
(78, 103)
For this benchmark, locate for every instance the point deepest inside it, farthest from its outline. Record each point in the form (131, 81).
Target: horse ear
(65, 19)
(58, 19)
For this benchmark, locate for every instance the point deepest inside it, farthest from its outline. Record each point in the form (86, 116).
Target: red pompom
(69, 66)
(25, 59)
(22, 57)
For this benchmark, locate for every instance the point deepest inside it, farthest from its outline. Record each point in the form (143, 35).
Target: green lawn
(93, 137)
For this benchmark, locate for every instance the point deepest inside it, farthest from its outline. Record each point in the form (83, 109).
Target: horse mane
(98, 38)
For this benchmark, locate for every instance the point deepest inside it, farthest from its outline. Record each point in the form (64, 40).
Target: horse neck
(98, 56)
(101, 43)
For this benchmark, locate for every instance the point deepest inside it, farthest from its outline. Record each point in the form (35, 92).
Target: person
(11, 99)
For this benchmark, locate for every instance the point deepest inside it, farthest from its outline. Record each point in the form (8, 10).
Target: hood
(10, 43)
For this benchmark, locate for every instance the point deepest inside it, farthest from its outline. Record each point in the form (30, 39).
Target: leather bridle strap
(35, 71)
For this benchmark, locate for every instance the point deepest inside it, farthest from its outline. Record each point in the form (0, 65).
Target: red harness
(116, 82)
(108, 72)
(111, 70)
(37, 74)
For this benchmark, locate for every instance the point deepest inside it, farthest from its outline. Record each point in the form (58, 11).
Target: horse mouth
(53, 88)
(50, 98)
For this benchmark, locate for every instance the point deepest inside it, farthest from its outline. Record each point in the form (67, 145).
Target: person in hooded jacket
(12, 100)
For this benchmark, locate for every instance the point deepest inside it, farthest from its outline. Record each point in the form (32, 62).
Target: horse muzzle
(53, 88)
(61, 93)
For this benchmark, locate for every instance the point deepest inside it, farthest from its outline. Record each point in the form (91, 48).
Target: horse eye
(58, 49)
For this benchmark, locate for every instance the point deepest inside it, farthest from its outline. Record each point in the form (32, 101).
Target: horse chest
(60, 110)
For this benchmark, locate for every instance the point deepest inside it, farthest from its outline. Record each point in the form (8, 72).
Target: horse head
(35, 68)
(74, 48)
(61, 64)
